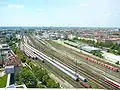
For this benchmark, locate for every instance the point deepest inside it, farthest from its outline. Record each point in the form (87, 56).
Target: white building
(18, 36)
(89, 48)
(71, 36)
(111, 57)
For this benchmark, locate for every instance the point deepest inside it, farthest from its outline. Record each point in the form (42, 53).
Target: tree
(52, 84)
(28, 61)
(40, 85)
(45, 78)
(23, 59)
(118, 51)
(117, 62)
(39, 72)
(31, 64)
(27, 77)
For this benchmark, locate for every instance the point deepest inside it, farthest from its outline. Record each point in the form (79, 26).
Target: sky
(80, 13)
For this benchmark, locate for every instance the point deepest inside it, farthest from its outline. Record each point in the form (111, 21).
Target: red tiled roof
(13, 61)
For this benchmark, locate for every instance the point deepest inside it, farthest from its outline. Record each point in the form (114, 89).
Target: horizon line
(67, 26)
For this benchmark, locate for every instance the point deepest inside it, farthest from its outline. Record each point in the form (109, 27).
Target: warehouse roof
(89, 48)
(111, 56)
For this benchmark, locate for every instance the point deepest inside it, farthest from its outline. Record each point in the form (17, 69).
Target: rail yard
(71, 65)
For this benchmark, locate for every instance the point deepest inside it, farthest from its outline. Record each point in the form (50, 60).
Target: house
(13, 65)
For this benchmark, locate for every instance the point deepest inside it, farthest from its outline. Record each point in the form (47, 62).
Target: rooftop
(111, 56)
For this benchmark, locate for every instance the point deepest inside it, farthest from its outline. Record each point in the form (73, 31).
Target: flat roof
(90, 48)
(111, 56)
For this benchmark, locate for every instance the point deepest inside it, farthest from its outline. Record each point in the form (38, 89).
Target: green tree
(31, 64)
(45, 78)
(52, 84)
(27, 77)
(117, 62)
(118, 51)
(23, 59)
(40, 85)
(39, 72)
(28, 61)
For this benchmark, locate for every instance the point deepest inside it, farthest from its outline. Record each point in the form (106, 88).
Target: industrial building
(111, 57)
(90, 49)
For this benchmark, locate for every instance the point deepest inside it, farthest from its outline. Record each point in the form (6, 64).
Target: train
(101, 63)
(57, 66)
(40, 40)
(31, 54)
(115, 84)
(95, 61)
(85, 85)
(75, 76)
(76, 46)
(68, 69)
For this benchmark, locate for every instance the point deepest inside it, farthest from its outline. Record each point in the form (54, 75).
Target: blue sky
(91, 13)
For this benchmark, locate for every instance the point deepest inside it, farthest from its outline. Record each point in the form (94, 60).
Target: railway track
(60, 74)
(80, 70)
(76, 54)
(75, 84)
(89, 75)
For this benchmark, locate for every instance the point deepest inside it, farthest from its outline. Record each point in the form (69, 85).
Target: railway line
(55, 55)
(100, 81)
(89, 75)
(58, 73)
(48, 61)
(77, 55)
(80, 70)
(78, 76)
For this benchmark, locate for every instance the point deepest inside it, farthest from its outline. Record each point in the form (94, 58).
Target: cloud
(109, 14)
(39, 10)
(15, 6)
(83, 5)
